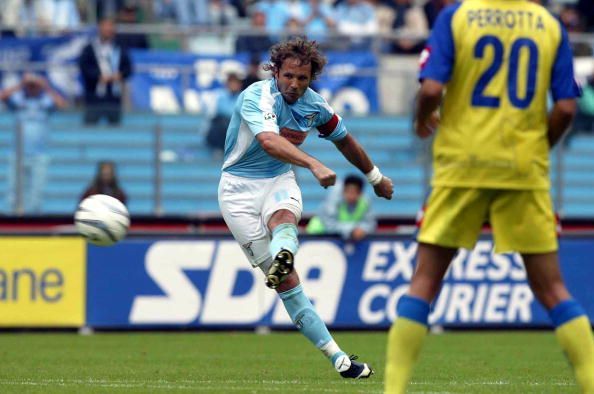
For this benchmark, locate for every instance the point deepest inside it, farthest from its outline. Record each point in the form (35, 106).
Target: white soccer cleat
(351, 369)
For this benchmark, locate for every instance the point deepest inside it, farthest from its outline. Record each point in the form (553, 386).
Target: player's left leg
(572, 326)
(523, 221)
(452, 219)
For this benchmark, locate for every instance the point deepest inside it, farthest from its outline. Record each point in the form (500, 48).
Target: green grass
(500, 362)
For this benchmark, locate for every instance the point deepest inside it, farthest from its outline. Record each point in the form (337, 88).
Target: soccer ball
(102, 219)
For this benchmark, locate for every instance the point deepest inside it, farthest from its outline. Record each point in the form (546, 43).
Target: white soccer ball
(102, 219)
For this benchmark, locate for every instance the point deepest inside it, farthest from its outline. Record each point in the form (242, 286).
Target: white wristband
(374, 176)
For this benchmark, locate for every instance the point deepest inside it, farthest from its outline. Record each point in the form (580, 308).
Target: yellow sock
(575, 337)
(404, 345)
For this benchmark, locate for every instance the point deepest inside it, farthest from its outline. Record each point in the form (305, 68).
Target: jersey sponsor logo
(269, 116)
(294, 136)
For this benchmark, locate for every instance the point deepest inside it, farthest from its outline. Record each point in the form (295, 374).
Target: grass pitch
(499, 362)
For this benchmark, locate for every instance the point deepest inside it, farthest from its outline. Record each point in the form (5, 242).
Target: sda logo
(183, 303)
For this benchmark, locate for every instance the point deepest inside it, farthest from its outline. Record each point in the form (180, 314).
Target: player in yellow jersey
(490, 65)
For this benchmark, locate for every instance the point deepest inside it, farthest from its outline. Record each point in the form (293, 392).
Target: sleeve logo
(424, 57)
(269, 116)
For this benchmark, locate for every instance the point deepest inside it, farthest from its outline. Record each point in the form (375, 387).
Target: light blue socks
(305, 317)
(284, 236)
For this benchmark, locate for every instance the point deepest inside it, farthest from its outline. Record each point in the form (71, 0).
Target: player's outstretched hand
(427, 128)
(385, 188)
(325, 176)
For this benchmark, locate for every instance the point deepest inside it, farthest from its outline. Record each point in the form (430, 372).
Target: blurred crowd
(265, 21)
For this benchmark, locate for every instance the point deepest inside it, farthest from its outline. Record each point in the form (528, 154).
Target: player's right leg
(572, 327)
(408, 332)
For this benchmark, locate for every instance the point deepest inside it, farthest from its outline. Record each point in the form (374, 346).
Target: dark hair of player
(307, 52)
(354, 180)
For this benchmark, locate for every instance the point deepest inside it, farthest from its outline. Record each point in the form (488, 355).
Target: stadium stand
(185, 182)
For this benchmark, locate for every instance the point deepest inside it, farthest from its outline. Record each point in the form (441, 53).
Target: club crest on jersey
(248, 247)
(310, 118)
(269, 116)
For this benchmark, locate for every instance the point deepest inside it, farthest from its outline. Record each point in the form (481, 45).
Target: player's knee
(281, 216)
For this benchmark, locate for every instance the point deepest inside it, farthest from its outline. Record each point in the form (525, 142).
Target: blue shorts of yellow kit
(522, 221)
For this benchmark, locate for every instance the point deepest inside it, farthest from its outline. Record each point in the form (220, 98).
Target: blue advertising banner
(208, 283)
(168, 81)
(174, 81)
(54, 52)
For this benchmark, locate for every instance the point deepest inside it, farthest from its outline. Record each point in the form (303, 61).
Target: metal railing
(151, 156)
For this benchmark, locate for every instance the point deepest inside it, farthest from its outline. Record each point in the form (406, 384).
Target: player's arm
(428, 101)
(354, 153)
(283, 150)
(564, 90)
(560, 118)
(437, 62)
(6, 93)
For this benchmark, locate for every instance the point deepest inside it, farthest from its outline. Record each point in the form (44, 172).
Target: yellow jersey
(498, 60)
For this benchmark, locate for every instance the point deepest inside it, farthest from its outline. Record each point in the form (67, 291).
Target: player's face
(293, 79)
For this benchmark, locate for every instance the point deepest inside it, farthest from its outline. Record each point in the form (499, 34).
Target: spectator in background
(253, 71)
(255, 44)
(584, 121)
(108, 9)
(32, 100)
(183, 12)
(357, 19)
(408, 19)
(346, 212)
(293, 29)
(222, 13)
(586, 10)
(573, 22)
(129, 14)
(61, 15)
(318, 20)
(277, 14)
(104, 67)
(432, 8)
(215, 138)
(106, 182)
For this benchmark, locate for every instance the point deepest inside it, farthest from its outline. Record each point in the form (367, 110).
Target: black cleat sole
(281, 267)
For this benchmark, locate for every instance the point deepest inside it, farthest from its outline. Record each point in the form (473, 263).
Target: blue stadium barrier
(190, 172)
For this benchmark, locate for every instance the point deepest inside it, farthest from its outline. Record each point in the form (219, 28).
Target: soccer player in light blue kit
(258, 195)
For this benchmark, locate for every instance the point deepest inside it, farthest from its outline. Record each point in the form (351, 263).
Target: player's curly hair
(307, 52)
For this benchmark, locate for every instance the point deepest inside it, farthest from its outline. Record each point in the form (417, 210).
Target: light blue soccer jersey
(261, 107)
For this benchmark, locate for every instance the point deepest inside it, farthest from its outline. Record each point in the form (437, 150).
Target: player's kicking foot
(280, 268)
(351, 369)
